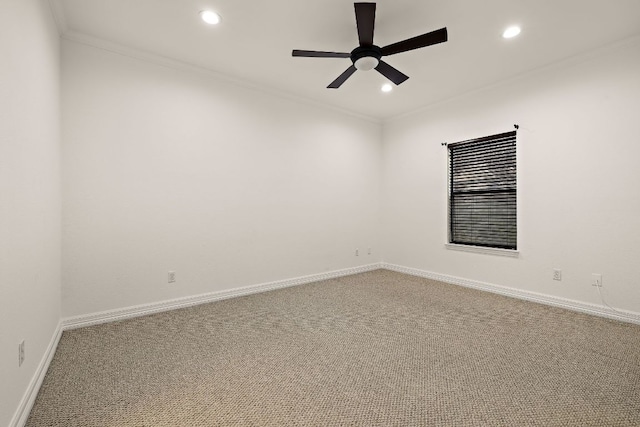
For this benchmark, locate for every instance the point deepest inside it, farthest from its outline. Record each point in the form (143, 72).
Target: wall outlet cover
(596, 279)
(20, 353)
(557, 274)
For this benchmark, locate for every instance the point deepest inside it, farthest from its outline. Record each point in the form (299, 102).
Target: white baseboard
(22, 413)
(596, 310)
(24, 408)
(158, 307)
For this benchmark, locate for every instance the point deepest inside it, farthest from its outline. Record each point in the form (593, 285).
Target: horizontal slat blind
(483, 192)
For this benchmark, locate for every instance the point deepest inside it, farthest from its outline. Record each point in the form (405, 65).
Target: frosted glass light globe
(366, 63)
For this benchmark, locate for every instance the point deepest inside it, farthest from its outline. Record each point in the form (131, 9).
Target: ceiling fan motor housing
(366, 57)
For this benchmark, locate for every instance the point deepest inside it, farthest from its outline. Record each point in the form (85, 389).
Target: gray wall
(578, 177)
(29, 193)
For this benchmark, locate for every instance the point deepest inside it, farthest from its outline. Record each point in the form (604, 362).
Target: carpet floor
(373, 349)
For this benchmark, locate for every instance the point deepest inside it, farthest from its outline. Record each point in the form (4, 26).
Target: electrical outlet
(596, 280)
(20, 353)
(369, 251)
(557, 274)
(357, 252)
(172, 277)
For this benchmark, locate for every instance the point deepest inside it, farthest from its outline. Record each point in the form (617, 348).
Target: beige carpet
(374, 349)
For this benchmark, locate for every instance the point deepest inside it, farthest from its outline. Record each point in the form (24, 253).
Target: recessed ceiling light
(210, 17)
(386, 87)
(511, 32)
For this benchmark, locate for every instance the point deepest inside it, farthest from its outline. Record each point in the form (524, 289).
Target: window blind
(482, 192)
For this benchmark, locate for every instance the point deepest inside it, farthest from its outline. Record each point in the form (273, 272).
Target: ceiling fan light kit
(367, 56)
(366, 63)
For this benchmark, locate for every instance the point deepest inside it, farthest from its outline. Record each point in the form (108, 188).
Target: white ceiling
(253, 43)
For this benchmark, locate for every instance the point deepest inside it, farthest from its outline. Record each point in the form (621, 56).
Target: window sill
(482, 250)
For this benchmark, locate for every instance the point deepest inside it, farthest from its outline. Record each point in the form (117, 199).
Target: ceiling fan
(368, 56)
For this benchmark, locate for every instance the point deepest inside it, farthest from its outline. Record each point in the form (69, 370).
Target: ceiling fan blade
(434, 37)
(342, 78)
(317, 54)
(391, 73)
(365, 20)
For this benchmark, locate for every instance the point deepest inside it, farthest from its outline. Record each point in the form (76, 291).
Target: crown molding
(567, 62)
(157, 59)
(59, 16)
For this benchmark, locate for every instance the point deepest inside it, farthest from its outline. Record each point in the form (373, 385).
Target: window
(482, 192)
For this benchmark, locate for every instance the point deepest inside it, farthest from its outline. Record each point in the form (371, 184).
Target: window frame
(501, 250)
